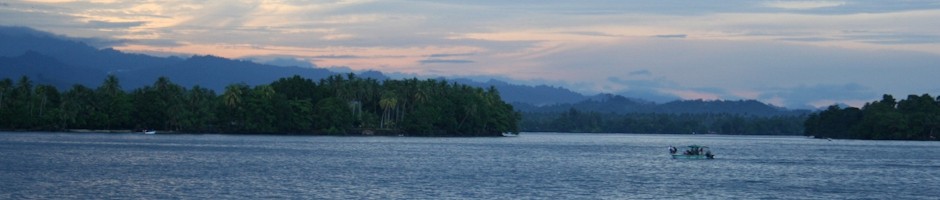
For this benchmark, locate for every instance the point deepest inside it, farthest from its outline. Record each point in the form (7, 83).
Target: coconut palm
(233, 95)
(387, 103)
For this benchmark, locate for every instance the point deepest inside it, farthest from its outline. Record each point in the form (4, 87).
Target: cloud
(830, 7)
(649, 94)
(281, 60)
(819, 95)
(647, 82)
(808, 39)
(895, 38)
(592, 33)
(113, 25)
(785, 74)
(448, 58)
(433, 61)
(441, 55)
(657, 90)
(804, 5)
(640, 73)
(672, 36)
(798, 97)
(693, 94)
(338, 56)
(151, 42)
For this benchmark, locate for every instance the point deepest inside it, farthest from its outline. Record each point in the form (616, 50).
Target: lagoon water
(531, 166)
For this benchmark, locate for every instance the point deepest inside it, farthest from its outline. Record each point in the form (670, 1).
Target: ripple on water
(541, 166)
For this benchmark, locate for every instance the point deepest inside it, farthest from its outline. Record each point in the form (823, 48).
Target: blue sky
(787, 53)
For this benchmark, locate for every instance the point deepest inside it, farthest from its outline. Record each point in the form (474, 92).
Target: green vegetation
(915, 118)
(720, 123)
(337, 105)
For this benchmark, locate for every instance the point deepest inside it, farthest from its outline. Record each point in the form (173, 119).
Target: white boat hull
(680, 156)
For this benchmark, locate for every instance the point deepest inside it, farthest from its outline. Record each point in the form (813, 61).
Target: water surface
(531, 166)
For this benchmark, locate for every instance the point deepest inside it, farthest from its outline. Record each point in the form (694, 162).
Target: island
(914, 118)
(337, 105)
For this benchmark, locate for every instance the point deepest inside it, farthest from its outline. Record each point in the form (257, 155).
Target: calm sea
(531, 166)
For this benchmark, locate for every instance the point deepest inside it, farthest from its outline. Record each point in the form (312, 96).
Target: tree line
(577, 121)
(914, 118)
(339, 104)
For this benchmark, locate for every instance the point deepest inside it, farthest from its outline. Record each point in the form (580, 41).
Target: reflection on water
(533, 165)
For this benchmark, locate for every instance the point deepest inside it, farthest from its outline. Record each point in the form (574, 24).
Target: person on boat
(672, 150)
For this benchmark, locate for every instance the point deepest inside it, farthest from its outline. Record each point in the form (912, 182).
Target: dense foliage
(717, 123)
(915, 118)
(336, 105)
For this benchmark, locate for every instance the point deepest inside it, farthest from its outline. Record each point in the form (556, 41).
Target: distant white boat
(150, 132)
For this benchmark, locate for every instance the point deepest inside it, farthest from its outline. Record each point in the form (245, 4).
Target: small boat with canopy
(692, 152)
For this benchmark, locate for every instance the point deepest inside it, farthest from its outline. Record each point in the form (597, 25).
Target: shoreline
(98, 131)
(360, 133)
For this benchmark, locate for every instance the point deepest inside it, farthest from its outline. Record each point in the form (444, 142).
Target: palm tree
(42, 91)
(111, 86)
(114, 103)
(77, 106)
(266, 91)
(233, 98)
(233, 95)
(421, 93)
(23, 96)
(387, 103)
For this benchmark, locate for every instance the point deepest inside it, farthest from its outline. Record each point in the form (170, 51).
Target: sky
(796, 54)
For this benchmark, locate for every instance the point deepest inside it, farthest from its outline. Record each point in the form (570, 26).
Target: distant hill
(19, 40)
(216, 72)
(61, 61)
(616, 104)
(745, 107)
(47, 70)
(540, 95)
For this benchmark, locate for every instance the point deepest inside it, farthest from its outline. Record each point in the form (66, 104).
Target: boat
(150, 132)
(692, 152)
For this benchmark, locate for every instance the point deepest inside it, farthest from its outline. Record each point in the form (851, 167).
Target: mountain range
(617, 104)
(62, 61)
